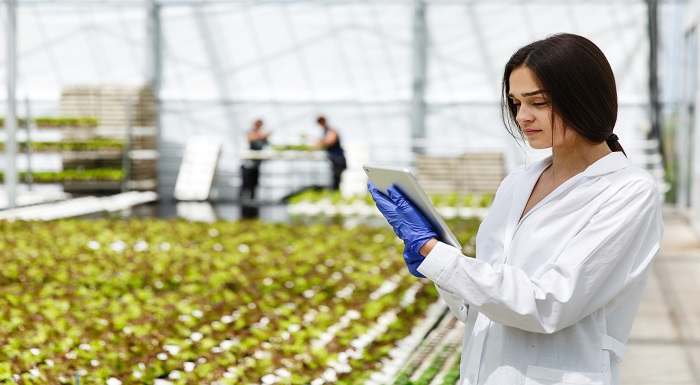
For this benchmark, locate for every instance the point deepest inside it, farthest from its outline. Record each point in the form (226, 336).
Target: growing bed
(167, 301)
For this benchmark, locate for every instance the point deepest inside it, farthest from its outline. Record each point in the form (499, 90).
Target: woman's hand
(408, 223)
(413, 261)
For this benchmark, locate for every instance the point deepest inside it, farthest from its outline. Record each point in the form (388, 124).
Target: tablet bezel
(406, 182)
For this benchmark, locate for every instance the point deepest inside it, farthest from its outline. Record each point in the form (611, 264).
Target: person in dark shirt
(250, 169)
(331, 143)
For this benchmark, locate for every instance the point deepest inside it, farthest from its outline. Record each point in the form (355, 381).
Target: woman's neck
(568, 161)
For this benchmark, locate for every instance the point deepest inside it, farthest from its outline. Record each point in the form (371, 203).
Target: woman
(250, 168)
(563, 256)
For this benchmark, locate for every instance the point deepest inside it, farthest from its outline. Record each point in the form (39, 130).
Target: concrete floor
(664, 347)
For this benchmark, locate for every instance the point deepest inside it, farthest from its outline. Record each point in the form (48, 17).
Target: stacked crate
(474, 172)
(116, 107)
(109, 104)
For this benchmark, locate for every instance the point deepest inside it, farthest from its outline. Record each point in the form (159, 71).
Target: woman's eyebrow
(526, 94)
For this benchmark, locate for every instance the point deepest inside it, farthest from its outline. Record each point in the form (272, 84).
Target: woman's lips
(531, 132)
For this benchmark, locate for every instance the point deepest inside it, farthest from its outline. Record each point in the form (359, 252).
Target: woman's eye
(539, 104)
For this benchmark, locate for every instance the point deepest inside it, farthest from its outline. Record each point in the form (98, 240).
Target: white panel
(194, 181)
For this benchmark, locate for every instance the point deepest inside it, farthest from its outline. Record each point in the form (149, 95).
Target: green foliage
(5, 371)
(89, 175)
(336, 198)
(315, 196)
(462, 200)
(452, 376)
(427, 376)
(63, 122)
(82, 122)
(91, 145)
(404, 378)
(292, 147)
(105, 297)
(486, 200)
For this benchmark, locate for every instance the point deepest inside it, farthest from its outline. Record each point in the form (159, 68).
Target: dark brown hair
(577, 80)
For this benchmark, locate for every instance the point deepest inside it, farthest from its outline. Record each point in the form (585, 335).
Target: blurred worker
(331, 143)
(250, 169)
(563, 256)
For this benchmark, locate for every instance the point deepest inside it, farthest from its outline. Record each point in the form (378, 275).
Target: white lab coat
(550, 299)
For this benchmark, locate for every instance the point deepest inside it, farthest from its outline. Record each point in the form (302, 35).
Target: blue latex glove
(408, 224)
(413, 260)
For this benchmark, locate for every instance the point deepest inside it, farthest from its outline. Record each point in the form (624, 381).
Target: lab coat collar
(612, 162)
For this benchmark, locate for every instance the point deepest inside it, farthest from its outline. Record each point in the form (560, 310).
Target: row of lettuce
(71, 175)
(97, 174)
(334, 197)
(71, 146)
(136, 301)
(58, 122)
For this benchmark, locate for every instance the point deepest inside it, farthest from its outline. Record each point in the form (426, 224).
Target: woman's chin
(538, 145)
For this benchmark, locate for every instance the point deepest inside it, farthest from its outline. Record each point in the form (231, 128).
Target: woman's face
(534, 110)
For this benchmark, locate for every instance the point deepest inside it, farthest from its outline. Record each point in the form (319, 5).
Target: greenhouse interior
(173, 214)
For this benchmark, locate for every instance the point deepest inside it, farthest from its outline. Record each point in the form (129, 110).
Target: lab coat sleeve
(612, 251)
(456, 304)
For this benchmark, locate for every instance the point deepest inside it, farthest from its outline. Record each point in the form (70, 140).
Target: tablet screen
(406, 183)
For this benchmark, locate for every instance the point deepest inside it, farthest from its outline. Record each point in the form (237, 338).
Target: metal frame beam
(686, 118)
(420, 67)
(155, 51)
(654, 102)
(407, 2)
(11, 175)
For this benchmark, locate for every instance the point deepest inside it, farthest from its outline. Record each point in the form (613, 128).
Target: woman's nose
(524, 115)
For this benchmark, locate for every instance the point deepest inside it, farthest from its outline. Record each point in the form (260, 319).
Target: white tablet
(406, 183)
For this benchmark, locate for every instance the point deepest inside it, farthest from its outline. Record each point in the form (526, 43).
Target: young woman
(563, 256)
(250, 169)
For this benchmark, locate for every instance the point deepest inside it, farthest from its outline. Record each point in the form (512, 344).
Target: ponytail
(614, 143)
